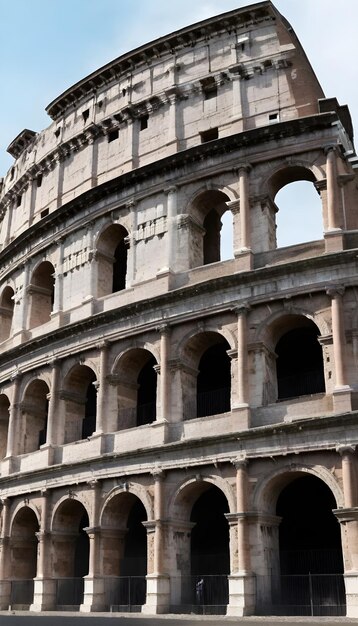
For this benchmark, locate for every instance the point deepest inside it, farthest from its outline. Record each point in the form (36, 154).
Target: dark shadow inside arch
(119, 267)
(214, 381)
(147, 393)
(311, 562)
(299, 363)
(210, 556)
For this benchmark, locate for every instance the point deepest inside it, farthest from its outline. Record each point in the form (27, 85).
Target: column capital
(345, 449)
(158, 474)
(102, 345)
(163, 329)
(243, 167)
(335, 290)
(240, 462)
(233, 206)
(170, 189)
(330, 148)
(241, 308)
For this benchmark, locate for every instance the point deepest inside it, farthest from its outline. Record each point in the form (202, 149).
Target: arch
(124, 545)
(190, 488)
(42, 294)
(267, 490)
(23, 549)
(136, 490)
(111, 249)
(299, 362)
(137, 388)
(34, 413)
(292, 187)
(201, 506)
(70, 550)
(207, 384)
(207, 209)
(273, 326)
(4, 423)
(80, 398)
(6, 312)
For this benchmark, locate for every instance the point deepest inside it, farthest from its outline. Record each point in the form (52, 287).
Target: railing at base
(204, 595)
(301, 594)
(125, 593)
(69, 593)
(22, 593)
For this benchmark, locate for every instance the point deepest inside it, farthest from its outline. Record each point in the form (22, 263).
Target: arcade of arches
(99, 548)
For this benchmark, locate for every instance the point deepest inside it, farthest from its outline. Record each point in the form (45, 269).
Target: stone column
(5, 584)
(342, 391)
(58, 291)
(172, 96)
(241, 581)
(332, 189)
(164, 372)
(348, 517)
(131, 267)
(11, 448)
(242, 404)
(244, 207)
(21, 306)
(51, 436)
(44, 585)
(8, 221)
(94, 597)
(172, 201)
(102, 390)
(158, 587)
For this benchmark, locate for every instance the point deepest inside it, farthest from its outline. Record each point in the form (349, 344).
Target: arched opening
(299, 363)
(211, 212)
(4, 423)
(137, 388)
(209, 549)
(34, 412)
(23, 557)
(147, 393)
(70, 552)
(124, 552)
(81, 403)
(42, 293)
(112, 260)
(311, 560)
(214, 381)
(299, 218)
(6, 312)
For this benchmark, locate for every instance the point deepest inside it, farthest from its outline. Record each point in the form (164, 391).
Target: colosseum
(179, 421)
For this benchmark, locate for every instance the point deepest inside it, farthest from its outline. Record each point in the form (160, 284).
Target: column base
(93, 595)
(334, 240)
(5, 594)
(242, 598)
(342, 399)
(158, 594)
(44, 595)
(241, 417)
(351, 584)
(244, 260)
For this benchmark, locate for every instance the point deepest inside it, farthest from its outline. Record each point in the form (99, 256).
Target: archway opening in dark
(120, 267)
(147, 393)
(214, 381)
(209, 548)
(134, 564)
(82, 549)
(211, 243)
(299, 363)
(89, 420)
(311, 563)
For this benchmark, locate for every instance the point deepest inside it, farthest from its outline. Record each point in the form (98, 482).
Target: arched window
(42, 293)
(6, 312)
(137, 388)
(215, 241)
(81, 403)
(23, 557)
(299, 362)
(34, 410)
(299, 218)
(112, 260)
(4, 424)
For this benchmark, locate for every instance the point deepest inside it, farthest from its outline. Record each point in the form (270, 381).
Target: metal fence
(22, 593)
(300, 384)
(69, 593)
(125, 593)
(206, 595)
(301, 594)
(207, 403)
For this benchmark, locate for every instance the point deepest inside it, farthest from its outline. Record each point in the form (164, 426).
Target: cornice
(164, 46)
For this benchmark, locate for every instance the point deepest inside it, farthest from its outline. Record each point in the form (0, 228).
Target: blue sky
(47, 45)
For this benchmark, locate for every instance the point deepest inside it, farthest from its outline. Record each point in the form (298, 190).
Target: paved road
(24, 619)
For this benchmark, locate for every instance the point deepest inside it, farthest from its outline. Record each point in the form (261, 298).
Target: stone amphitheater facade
(168, 417)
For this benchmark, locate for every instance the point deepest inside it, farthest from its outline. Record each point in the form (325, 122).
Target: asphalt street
(51, 619)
